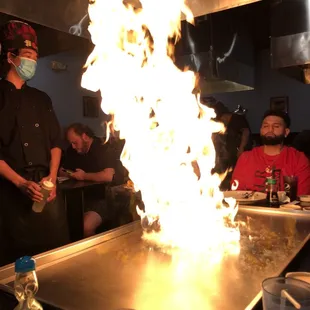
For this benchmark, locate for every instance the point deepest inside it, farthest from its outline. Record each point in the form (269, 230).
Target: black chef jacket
(28, 131)
(28, 127)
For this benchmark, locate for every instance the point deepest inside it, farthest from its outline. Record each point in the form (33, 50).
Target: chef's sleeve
(53, 126)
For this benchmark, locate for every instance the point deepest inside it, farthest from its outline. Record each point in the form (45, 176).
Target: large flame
(169, 151)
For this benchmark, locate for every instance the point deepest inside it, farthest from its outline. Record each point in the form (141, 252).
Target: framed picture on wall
(91, 107)
(279, 103)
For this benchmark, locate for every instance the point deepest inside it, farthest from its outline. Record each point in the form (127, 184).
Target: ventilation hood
(72, 15)
(218, 47)
(290, 38)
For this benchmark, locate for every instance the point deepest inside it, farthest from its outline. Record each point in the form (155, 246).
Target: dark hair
(280, 114)
(80, 129)
(5, 67)
(208, 100)
(220, 109)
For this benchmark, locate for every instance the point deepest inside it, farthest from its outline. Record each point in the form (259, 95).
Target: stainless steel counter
(117, 270)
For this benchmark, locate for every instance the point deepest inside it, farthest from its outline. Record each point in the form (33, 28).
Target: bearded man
(89, 159)
(273, 158)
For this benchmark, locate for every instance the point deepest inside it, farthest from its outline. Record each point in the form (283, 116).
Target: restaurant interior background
(70, 271)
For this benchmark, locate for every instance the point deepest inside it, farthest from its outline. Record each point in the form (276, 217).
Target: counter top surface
(118, 270)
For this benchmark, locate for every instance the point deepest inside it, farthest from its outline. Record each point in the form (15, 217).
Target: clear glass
(26, 286)
(290, 186)
(272, 194)
(272, 288)
(272, 187)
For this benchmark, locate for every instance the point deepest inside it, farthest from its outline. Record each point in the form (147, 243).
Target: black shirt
(99, 157)
(234, 133)
(29, 128)
(227, 144)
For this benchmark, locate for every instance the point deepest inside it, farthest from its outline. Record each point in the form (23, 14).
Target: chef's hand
(79, 174)
(52, 195)
(32, 190)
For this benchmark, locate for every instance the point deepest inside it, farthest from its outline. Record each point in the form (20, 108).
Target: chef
(29, 151)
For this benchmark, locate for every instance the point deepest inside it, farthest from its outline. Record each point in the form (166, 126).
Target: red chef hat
(15, 35)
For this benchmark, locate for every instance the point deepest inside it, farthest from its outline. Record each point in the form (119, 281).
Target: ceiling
(53, 41)
(254, 16)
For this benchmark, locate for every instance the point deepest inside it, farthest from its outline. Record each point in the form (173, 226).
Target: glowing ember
(169, 152)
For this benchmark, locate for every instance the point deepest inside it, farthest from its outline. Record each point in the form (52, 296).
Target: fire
(169, 151)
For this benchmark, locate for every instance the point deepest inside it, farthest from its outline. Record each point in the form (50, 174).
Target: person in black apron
(29, 151)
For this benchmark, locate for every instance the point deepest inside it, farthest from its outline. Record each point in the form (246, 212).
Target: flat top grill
(118, 270)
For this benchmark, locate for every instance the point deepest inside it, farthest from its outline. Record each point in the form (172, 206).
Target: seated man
(90, 160)
(253, 167)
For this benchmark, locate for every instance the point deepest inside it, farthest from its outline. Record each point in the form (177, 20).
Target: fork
(249, 195)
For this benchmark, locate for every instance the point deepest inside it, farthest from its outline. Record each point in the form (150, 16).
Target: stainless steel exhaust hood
(290, 38)
(220, 48)
(217, 47)
(67, 16)
(71, 15)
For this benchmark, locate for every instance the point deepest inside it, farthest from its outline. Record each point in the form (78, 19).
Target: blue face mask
(27, 68)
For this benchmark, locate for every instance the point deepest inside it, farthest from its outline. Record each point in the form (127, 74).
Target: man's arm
(54, 163)
(31, 189)
(244, 128)
(105, 175)
(55, 145)
(244, 139)
(54, 136)
(8, 173)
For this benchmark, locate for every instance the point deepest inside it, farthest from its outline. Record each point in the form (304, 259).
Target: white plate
(305, 198)
(240, 196)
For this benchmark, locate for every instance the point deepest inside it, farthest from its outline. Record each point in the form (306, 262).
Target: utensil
(290, 298)
(248, 195)
(290, 186)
